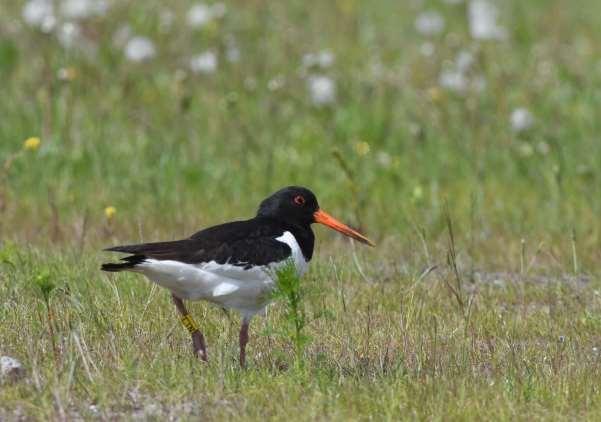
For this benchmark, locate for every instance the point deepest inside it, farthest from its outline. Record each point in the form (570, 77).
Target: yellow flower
(31, 144)
(418, 193)
(348, 7)
(362, 148)
(109, 212)
(435, 94)
(67, 74)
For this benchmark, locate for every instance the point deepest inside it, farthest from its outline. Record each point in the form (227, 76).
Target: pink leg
(198, 340)
(243, 342)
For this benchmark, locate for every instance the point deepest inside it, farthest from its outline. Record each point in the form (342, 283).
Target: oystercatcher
(234, 265)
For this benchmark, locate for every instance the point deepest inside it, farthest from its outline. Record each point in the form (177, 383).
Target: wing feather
(241, 243)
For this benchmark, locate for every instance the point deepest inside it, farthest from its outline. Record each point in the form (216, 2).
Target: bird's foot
(243, 342)
(200, 349)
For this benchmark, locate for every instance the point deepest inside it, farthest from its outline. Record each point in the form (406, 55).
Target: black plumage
(246, 243)
(242, 243)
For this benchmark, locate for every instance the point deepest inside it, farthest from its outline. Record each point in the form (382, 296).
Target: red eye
(299, 200)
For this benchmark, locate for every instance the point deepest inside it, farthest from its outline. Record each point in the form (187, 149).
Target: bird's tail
(130, 263)
(113, 268)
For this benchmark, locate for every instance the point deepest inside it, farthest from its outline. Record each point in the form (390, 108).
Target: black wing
(243, 243)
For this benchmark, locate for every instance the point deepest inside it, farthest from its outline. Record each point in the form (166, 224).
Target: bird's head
(295, 204)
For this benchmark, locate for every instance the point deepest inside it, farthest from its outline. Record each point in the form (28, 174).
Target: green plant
(455, 285)
(45, 287)
(290, 291)
(8, 254)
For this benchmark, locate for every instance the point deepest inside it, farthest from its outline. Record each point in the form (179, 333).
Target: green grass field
(408, 135)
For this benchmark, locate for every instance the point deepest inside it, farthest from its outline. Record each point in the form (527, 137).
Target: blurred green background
(185, 114)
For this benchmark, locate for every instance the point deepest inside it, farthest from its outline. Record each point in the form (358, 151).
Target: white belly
(229, 286)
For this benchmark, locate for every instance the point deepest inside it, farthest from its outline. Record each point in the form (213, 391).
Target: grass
(400, 348)
(498, 320)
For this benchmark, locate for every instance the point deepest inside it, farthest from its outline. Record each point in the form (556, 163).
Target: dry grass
(399, 347)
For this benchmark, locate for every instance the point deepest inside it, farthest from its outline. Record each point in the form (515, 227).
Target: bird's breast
(297, 257)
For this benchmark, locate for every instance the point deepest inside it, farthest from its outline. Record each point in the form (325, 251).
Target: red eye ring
(299, 200)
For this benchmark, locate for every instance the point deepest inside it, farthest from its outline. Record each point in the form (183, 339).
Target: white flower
(322, 90)
(464, 61)
(521, 119)
(457, 77)
(122, 35)
(323, 59)
(204, 63)
(232, 51)
(482, 16)
(83, 9)
(276, 83)
(427, 49)
(453, 80)
(201, 14)
(68, 34)
(429, 23)
(39, 14)
(384, 159)
(139, 49)
(376, 69)
(232, 54)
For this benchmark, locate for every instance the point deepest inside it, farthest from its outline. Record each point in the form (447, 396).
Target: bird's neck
(301, 232)
(305, 238)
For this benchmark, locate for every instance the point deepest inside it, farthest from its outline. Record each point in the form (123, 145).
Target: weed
(45, 286)
(290, 291)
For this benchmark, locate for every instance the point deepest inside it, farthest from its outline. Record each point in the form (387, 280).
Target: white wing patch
(224, 288)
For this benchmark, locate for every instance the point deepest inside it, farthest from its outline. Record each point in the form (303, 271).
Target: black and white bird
(234, 265)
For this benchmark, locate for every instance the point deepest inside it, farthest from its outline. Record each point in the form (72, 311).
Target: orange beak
(326, 219)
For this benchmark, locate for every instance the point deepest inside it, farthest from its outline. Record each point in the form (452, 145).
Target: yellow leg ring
(189, 323)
